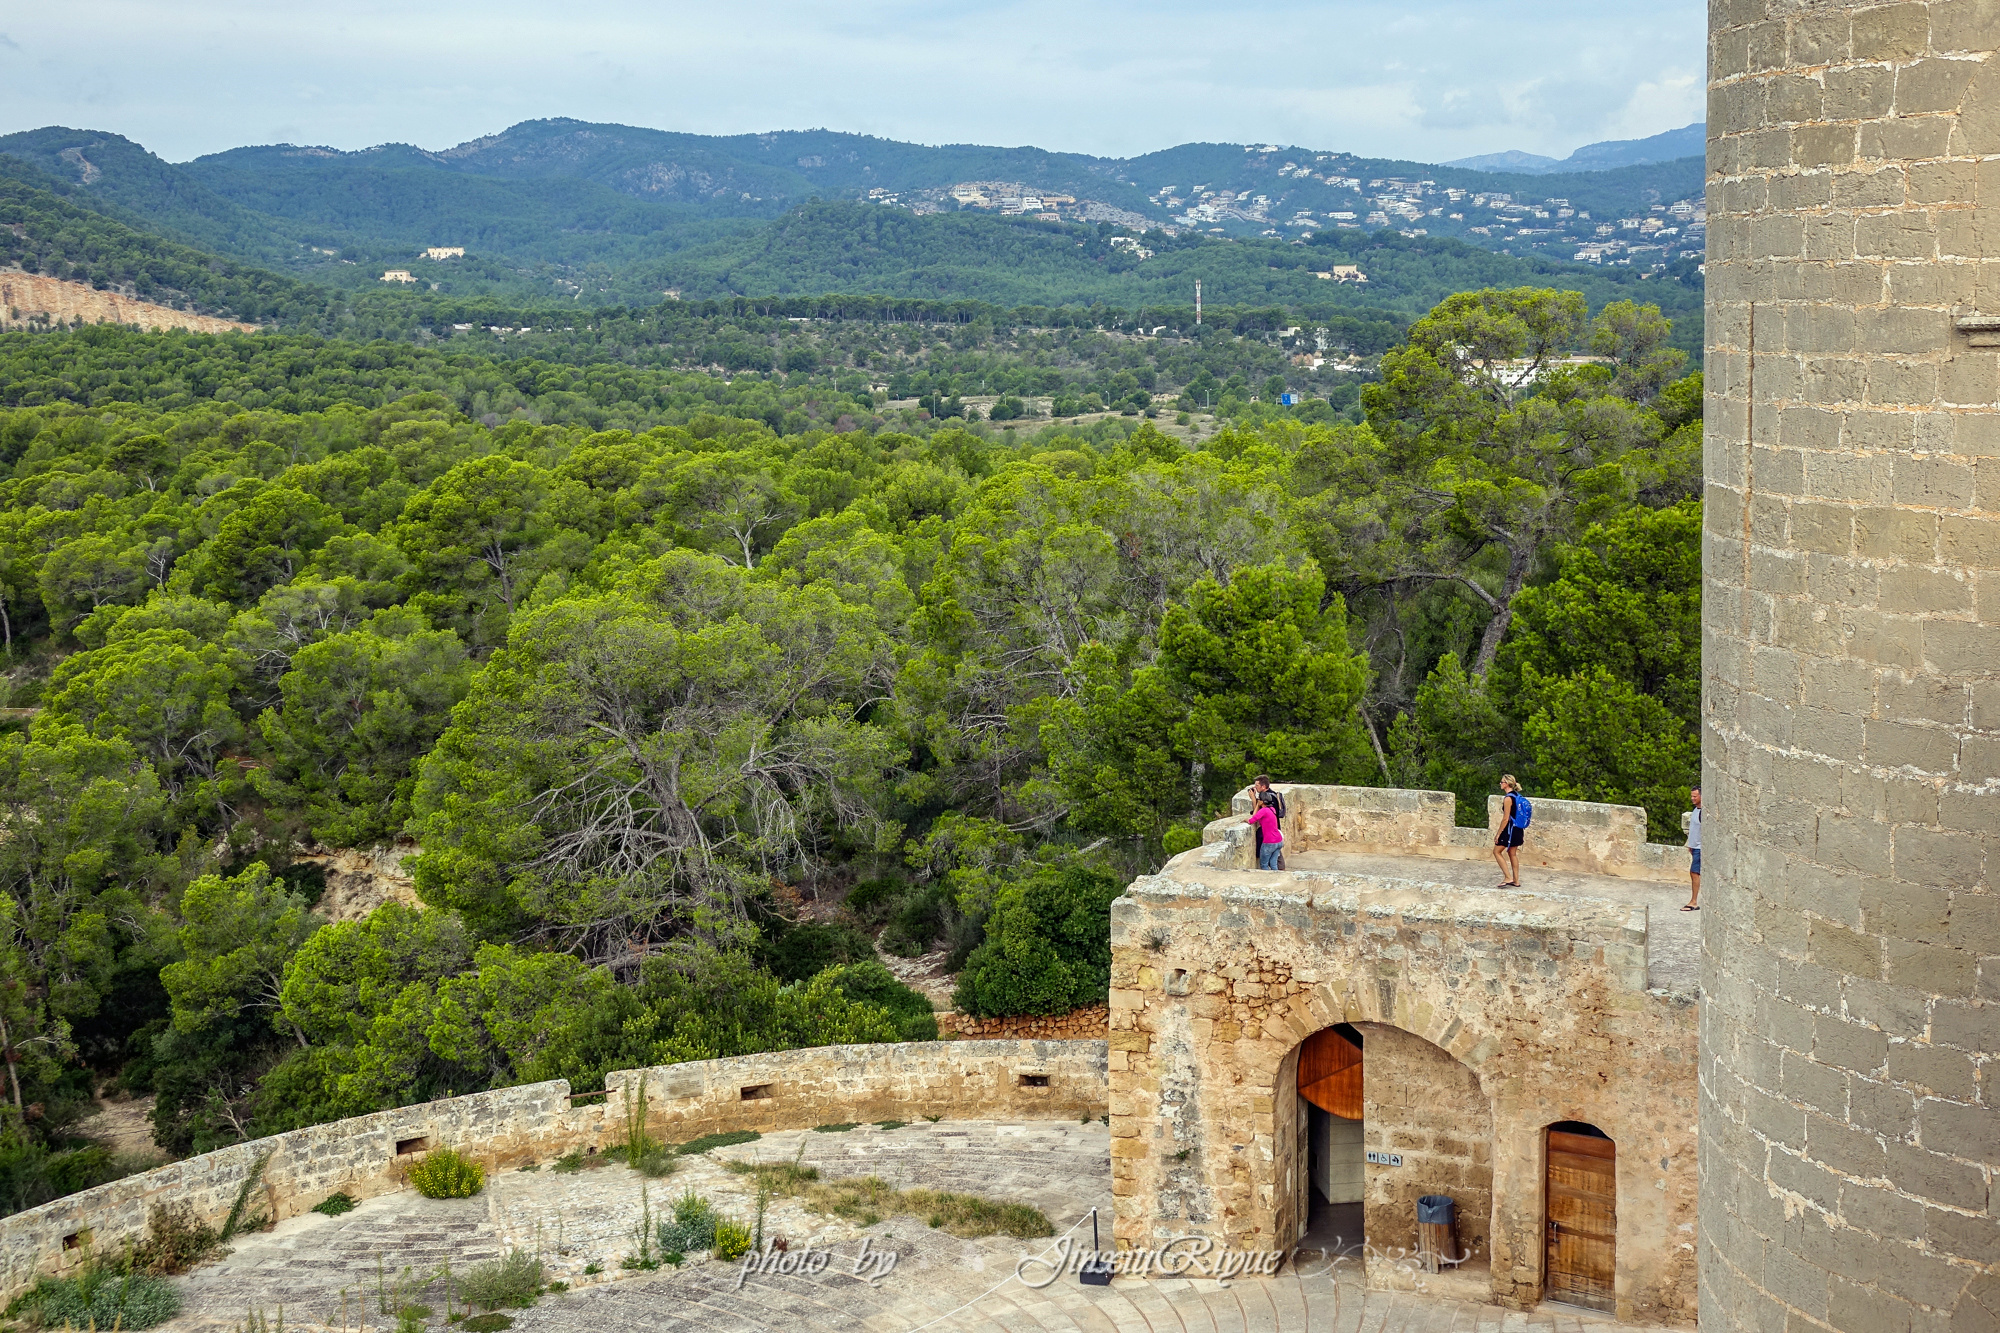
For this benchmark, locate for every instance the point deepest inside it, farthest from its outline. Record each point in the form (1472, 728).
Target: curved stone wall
(368, 1155)
(1850, 1128)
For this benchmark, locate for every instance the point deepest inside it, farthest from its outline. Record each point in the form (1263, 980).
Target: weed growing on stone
(568, 1162)
(514, 1281)
(175, 1241)
(692, 1228)
(240, 1217)
(532, 1166)
(890, 1124)
(701, 1145)
(732, 1241)
(866, 1200)
(447, 1173)
(643, 1259)
(933, 1118)
(333, 1205)
(488, 1323)
(256, 1321)
(841, 1128)
(592, 1269)
(99, 1297)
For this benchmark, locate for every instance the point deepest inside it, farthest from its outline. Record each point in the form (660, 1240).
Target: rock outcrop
(30, 300)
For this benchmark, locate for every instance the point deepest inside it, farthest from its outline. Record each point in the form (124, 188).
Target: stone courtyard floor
(316, 1267)
(1673, 937)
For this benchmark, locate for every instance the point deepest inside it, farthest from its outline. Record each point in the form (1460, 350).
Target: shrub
(513, 1281)
(1047, 949)
(871, 983)
(731, 1240)
(32, 1173)
(333, 1205)
(921, 918)
(798, 951)
(874, 899)
(101, 1298)
(176, 1240)
(447, 1173)
(488, 1323)
(692, 1228)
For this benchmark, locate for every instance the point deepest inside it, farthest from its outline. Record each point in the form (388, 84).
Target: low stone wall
(1584, 836)
(1089, 1023)
(363, 1156)
(959, 1080)
(370, 1155)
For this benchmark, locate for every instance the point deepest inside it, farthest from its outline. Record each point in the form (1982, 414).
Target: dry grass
(866, 1200)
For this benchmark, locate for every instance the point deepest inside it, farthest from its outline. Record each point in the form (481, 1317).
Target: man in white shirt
(1694, 854)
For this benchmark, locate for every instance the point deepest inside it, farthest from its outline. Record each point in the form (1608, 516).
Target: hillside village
(1514, 222)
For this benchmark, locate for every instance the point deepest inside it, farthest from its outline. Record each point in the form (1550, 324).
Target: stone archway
(1426, 1128)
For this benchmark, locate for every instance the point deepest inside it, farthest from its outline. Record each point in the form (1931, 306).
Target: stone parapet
(369, 1155)
(1585, 837)
(982, 1080)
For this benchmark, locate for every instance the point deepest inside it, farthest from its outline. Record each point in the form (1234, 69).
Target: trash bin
(1435, 1245)
(1437, 1209)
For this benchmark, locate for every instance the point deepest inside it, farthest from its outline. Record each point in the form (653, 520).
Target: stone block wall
(1421, 1103)
(1086, 1024)
(1850, 1125)
(369, 1155)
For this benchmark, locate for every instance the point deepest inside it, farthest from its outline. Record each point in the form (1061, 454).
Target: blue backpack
(1524, 810)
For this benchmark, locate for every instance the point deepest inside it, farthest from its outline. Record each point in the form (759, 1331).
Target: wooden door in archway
(1330, 1073)
(1582, 1217)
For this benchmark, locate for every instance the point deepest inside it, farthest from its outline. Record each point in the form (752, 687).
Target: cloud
(1433, 82)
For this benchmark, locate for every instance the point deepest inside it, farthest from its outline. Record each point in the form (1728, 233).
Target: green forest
(694, 689)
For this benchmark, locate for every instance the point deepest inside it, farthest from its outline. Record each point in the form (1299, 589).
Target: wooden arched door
(1582, 1216)
(1330, 1073)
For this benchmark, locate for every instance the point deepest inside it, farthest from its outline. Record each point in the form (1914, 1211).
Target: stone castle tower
(1850, 1066)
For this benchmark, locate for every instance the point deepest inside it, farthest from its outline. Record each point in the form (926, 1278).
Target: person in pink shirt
(1271, 842)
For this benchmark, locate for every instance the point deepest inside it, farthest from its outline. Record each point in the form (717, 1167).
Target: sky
(1424, 82)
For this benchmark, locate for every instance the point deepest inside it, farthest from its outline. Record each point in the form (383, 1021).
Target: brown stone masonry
(1487, 1016)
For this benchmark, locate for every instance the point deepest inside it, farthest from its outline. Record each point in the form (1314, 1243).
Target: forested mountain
(43, 232)
(821, 249)
(852, 247)
(565, 208)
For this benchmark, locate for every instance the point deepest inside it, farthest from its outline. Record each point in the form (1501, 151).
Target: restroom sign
(1384, 1158)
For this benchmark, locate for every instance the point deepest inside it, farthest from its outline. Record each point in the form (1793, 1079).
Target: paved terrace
(1388, 838)
(938, 1282)
(1673, 937)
